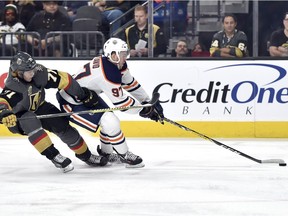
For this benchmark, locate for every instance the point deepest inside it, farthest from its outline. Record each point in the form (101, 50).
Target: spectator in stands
(51, 19)
(10, 24)
(111, 10)
(279, 40)
(136, 35)
(229, 42)
(199, 50)
(181, 50)
(27, 9)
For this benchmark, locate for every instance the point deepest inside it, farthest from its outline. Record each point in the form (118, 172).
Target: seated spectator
(229, 42)
(279, 40)
(136, 35)
(181, 50)
(10, 24)
(51, 19)
(200, 51)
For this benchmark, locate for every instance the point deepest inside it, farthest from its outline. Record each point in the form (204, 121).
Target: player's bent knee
(110, 123)
(69, 136)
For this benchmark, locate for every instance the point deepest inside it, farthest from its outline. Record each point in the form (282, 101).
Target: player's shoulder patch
(111, 71)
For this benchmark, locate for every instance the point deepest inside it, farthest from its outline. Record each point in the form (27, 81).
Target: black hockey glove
(91, 98)
(8, 118)
(154, 112)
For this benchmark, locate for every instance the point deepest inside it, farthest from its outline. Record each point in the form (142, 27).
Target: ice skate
(64, 163)
(112, 158)
(96, 160)
(131, 160)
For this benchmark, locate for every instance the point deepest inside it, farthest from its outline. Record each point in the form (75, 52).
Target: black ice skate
(112, 158)
(132, 160)
(96, 160)
(64, 163)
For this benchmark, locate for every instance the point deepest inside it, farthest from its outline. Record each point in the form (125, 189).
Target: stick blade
(278, 161)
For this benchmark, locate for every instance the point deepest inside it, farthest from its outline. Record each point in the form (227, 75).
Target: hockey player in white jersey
(109, 74)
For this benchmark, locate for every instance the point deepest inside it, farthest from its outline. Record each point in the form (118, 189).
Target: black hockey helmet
(22, 61)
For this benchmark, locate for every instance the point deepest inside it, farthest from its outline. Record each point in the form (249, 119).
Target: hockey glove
(154, 112)
(91, 98)
(8, 118)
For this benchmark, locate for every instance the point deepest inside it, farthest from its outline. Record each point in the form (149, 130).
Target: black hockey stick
(154, 100)
(279, 161)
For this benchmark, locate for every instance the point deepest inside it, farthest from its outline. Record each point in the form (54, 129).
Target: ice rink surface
(181, 177)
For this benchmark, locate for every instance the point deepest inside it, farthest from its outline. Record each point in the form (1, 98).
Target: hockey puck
(282, 164)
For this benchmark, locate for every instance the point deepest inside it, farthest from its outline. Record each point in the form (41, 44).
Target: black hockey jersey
(20, 95)
(239, 40)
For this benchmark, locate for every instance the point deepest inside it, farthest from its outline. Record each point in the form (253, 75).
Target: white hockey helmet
(115, 45)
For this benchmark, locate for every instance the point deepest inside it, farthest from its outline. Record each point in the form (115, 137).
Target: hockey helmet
(22, 61)
(115, 45)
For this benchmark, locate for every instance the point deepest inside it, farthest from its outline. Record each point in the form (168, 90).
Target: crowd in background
(43, 17)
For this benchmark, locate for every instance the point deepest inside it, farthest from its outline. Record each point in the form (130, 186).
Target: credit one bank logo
(217, 92)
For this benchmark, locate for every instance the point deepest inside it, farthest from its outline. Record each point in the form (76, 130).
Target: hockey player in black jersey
(23, 98)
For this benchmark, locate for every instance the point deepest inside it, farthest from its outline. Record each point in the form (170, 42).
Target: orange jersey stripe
(117, 138)
(67, 108)
(104, 138)
(78, 119)
(131, 86)
(128, 103)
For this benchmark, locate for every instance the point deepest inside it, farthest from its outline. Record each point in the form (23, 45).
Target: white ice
(181, 177)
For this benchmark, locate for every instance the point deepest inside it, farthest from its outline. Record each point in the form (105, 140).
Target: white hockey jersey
(12, 39)
(102, 76)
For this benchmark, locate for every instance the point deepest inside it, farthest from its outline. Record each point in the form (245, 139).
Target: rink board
(212, 129)
(219, 98)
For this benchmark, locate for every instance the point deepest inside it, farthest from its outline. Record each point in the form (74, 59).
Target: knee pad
(110, 124)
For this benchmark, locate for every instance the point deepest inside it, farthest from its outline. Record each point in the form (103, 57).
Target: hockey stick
(279, 161)
(154, 100)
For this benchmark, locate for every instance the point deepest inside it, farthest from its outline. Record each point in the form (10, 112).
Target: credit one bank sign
(229, 92)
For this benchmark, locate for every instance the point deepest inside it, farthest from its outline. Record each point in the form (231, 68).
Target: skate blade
(68, 168)
(135, 166)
